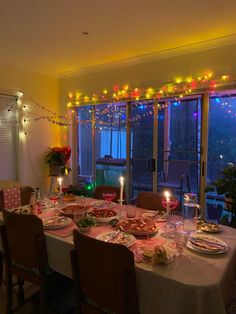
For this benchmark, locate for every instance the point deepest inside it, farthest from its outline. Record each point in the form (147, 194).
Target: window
(8, 137)
(221, 134)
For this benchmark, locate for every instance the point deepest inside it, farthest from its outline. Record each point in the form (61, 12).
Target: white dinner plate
(117, 238)
(207, 245)
(154, 215)
(150, 215)
(56, 222)
(100, 204)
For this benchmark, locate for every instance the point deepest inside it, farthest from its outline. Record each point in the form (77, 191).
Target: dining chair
(100, 189)
(151, 200)
(104, 277)
(23, 196)
(25, 257)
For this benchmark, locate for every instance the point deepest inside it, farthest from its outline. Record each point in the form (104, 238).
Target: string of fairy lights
(112, 115)
(23, 111)
(108, 109)
(178, 89)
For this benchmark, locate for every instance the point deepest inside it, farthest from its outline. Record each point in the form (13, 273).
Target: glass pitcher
(191, 208)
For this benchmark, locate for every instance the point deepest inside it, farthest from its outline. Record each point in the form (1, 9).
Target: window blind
(8, 137)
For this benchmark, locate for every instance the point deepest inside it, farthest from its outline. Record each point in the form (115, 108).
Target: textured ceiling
(50, 36)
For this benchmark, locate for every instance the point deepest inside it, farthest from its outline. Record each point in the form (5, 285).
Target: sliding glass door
(110, 143)
(221, 135)
(179, 141)
(141, 128)
(166, 138)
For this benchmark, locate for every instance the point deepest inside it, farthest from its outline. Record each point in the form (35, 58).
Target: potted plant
(56, 158)
(226, 184)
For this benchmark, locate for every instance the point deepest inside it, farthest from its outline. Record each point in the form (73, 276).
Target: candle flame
(167, 194)
(59, 180)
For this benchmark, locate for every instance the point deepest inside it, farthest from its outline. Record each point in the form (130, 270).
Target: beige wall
(40, 134)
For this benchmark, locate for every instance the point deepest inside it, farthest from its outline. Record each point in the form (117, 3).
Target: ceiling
(54, 37)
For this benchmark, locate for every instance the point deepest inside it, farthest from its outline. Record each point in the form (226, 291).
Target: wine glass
(170, 204)
(109, 196)
(54, 197)
(174, 222)
(181, 239)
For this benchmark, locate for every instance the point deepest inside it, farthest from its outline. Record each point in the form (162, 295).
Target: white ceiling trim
(163, 54)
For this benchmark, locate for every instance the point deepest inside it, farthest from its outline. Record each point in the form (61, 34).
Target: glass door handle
(152, 165)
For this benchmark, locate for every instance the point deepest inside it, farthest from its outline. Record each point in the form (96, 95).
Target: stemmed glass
(170, 204)
(109, 196)
(54, 197)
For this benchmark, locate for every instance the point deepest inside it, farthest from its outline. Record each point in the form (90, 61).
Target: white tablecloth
(199, 284)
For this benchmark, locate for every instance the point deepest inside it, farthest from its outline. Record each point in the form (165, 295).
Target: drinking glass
(109, 196)
(174, 222)
(130, 211)
(151, 220)
(191, 207)
(181, 239)
(54, 197)
(170, 204)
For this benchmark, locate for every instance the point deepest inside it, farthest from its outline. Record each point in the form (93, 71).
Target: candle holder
(121, 201)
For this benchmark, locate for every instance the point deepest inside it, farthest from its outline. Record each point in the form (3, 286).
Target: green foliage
(54, 157)
(86, 222)
(226, 184)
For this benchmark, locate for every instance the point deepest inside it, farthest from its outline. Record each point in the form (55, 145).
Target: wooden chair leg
(9, 293)
(21, 293)
(43, 301)
(1, 267)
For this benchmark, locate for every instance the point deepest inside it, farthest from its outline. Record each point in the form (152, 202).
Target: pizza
(103, 213)
(138, 226)
(70, 209)
(208, 226)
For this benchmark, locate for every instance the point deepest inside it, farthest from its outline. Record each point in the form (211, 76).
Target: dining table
(197, 283)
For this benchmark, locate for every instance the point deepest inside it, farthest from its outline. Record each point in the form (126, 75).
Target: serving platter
(68, 210)
(100, 204)
(117, 237)
(138, 227)
(56, 222)
(208, 227)
(103, 215)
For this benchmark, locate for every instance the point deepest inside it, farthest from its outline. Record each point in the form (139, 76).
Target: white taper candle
(122, 180)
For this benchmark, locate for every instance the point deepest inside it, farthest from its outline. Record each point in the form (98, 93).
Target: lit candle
(121, 189)
(167, 198)
(59, 180)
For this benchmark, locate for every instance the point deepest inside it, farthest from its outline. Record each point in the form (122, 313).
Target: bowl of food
(103, 215)
(84, 224)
